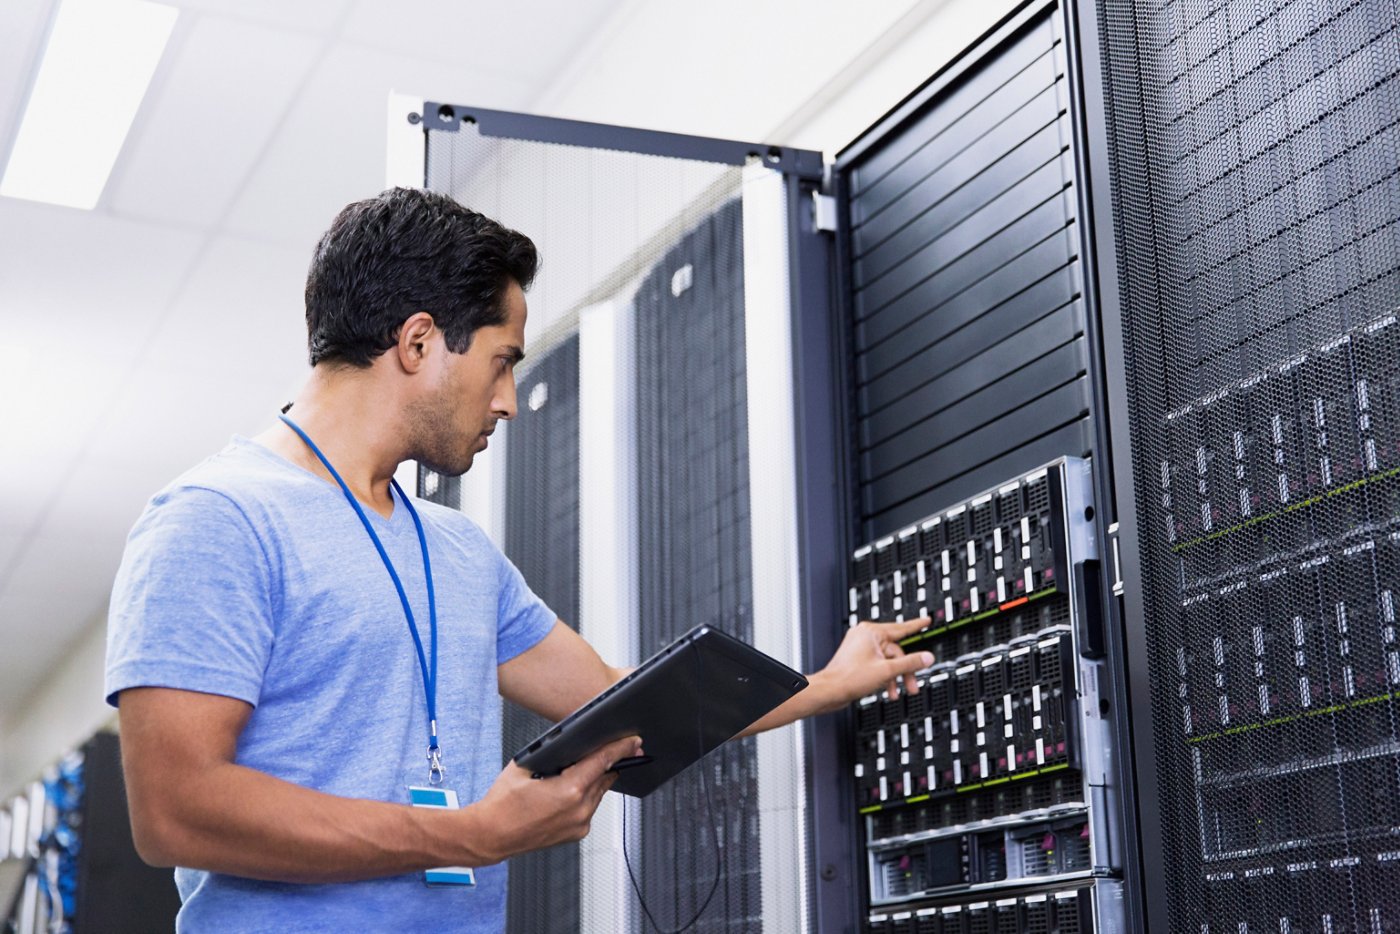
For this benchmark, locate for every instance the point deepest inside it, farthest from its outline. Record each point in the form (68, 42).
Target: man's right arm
(192, 805)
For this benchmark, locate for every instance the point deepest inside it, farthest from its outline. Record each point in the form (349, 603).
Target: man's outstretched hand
(870, 658)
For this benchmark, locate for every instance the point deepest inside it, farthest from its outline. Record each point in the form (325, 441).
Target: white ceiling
(139, 336)
(136, 338)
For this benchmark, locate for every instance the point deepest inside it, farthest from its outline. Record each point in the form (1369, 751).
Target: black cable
(710, 815)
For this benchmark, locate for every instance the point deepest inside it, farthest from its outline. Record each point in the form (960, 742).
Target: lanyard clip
(436, 770)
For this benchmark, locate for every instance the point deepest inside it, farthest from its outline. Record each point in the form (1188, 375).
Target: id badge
(426, 796)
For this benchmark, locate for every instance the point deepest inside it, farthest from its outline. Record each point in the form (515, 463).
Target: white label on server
(1035, 698)
(922, 569)
(875, 591)
(880, 742)
(1006, 706)
(971, 552)
(1039, 751)
(1037, 723)
(899, 582)
(976, 604)
(904, 735)
(928, 728)
(908, 785)
(855, 599)
(947, 564)
(884, 788)
(880, 764)
(948, 607)
(1030, 580)
(981, 715)
(904, 758)
(860, 770)
(982, 760)
(1010, 757)
(1001, 589)
(1026, 532)
(953, 720)
(957, 771)
(996, 539)
(931, 782)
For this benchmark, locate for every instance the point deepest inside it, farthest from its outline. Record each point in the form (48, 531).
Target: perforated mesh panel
(1257, 200)
(636, 355)
(696, 569)
(542, 540)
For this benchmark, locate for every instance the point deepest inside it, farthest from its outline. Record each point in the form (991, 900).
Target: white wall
(806, 73)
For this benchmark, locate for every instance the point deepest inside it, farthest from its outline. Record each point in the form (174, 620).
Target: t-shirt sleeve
(191, 606)
(522, 619)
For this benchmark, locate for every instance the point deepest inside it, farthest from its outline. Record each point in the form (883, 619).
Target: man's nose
(504, 404)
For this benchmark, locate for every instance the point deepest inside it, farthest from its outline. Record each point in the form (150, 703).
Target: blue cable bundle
(63, 788)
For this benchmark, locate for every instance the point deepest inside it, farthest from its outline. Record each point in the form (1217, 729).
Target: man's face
(472, 391)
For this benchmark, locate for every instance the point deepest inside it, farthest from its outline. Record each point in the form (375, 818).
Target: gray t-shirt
(251, 578)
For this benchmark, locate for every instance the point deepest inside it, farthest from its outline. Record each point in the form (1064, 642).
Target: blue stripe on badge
(449, 877)
(427, 797)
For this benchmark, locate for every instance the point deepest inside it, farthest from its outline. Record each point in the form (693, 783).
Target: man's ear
(413, 341)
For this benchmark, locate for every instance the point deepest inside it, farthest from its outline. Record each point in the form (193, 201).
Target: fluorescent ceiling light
(99, 61)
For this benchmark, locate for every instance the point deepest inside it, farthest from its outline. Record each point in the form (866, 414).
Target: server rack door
(972, 359)
(627, 492)
(1247, 180)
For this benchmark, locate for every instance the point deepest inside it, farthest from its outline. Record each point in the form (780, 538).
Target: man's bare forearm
(243, 822)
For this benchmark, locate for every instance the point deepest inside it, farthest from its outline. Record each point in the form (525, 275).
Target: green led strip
(1319, 712)
(1301, 504)
(872, 808)
(931, 633)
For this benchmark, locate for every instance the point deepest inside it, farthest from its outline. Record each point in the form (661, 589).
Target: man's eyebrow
(514, 352)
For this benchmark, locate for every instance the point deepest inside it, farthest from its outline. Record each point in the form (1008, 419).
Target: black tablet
(684, 701)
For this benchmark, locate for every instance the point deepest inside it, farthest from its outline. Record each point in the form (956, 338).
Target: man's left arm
(557, 675)
(562, 672)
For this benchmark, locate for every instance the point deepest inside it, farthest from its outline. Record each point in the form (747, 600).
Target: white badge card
(426, 796)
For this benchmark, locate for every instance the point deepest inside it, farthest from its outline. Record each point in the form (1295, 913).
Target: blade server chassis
(986, 796)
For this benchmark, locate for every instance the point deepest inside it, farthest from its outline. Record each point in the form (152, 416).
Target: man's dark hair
(406, 251)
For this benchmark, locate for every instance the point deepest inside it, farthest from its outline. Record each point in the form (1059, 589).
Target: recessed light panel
(99, 62)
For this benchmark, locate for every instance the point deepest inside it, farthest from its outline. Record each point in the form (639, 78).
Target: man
(295, 645)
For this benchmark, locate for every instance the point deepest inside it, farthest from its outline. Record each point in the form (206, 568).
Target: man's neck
(344, 412)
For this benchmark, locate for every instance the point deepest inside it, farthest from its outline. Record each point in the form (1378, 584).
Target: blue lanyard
(435, 767)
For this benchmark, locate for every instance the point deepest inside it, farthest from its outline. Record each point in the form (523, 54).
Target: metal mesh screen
(695, 567)
(1257, 196)
(621, 489)
(542, 540)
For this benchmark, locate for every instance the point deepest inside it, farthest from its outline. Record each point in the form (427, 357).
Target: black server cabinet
(1247, 204)
(972, 354)
(695, 564)
(542, 540)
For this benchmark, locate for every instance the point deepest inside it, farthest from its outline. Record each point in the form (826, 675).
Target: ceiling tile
(207, 124)
(106, 281)
(526, 41)
(38, 628)
(241, 315)
(331, 149)
(322, 17)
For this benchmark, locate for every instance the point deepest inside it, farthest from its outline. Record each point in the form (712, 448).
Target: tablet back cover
(683, 702)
